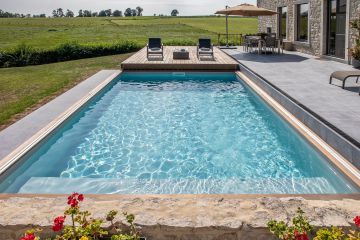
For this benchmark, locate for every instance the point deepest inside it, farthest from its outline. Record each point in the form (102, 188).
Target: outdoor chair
(205, 48)
(251, 42)
(270, 43)
(344, 75)
(155, 48)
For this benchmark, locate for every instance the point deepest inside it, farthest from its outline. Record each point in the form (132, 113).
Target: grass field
(47, 33)
(25, 88)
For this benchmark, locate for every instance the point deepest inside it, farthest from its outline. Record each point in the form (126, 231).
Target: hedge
(24, 55)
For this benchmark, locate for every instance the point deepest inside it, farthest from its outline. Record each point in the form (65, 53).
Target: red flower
(74, 199)
(81, 197)
(300, 236)
(28, 236)
(58, 223)
(73, 202)
(357, 221)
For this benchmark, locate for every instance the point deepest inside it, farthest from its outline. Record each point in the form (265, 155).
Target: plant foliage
(24, 55)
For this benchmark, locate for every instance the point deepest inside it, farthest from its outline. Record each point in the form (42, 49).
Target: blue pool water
(193, 133)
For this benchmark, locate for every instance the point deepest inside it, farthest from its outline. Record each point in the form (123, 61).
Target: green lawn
(47, 33)
(23, 88)
(211, 24)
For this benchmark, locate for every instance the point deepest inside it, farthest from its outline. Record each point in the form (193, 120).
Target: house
(317, 27)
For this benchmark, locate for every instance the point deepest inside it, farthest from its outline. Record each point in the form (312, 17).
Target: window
(303, 22)
(282, 24)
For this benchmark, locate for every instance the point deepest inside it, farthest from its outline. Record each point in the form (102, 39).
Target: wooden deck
(139, 61)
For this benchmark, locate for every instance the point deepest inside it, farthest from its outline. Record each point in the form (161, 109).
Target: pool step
(186, 186)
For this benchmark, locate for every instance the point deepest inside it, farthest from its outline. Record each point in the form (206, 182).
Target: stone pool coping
(168, 217)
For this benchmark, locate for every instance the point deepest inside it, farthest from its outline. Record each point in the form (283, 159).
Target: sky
(185, 7)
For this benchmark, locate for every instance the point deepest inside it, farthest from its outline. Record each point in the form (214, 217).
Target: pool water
(174, 133)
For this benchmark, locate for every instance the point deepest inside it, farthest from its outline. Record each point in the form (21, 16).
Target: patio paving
(306, 79)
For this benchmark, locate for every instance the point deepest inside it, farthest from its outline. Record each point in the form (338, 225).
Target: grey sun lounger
(205, 48)
(344, 75)
(155, 47)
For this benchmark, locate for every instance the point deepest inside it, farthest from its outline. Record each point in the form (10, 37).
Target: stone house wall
(314, 46)
(354, 13)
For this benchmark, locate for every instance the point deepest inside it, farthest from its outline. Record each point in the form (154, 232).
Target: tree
(69, 13)
(108, 12)
(102, 13)
(139, 11)
(60, 12)
(42, 15)
(174, 13)
(94, 14)
(81, 14)
(128, 12)
(117, 13)
(87, 13)
(133, 12)
(54, 14)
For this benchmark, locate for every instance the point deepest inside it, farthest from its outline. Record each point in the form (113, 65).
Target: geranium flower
(73, 199)
(58, 223)
(28, 236)
(81, 197)
(357, 221)
(300, 236)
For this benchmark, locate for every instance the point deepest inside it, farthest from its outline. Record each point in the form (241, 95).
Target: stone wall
(182, 218)
(314, 45)
(354, 13)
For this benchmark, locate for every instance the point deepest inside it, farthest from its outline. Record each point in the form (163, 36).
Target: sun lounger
(344, 75)
(155, 47)
(205, 48)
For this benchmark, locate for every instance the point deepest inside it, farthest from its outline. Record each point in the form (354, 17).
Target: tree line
(59, 12)
(103, 13)
(4, 14)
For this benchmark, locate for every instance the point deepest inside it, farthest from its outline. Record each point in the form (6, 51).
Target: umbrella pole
(227, 31)
(227, 28)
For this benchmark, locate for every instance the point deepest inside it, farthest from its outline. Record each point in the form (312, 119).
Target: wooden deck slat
(139, 61)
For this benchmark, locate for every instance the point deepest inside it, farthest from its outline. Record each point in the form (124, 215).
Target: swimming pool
(176, 133)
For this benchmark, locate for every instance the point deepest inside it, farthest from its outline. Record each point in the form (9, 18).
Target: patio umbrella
(246, 10)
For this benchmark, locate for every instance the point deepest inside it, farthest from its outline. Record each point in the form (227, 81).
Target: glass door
(336, 28)
(282, 22)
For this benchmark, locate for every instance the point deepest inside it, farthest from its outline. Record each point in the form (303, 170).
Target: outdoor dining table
(261, 42)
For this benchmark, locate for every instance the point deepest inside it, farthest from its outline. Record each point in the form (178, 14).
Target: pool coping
(335, 158)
